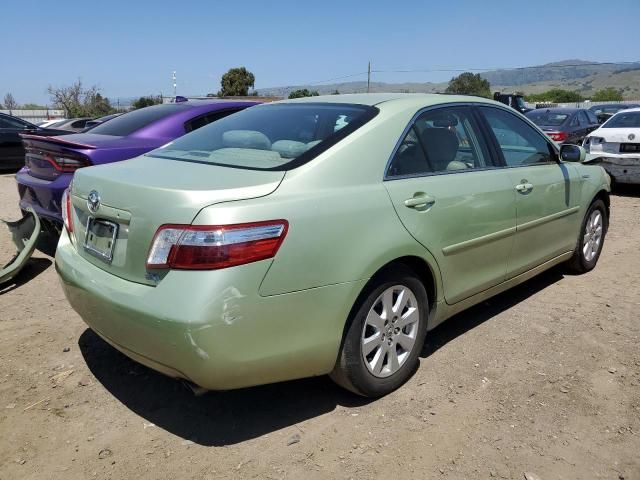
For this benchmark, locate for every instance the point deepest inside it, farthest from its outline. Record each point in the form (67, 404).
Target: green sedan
(324, 235)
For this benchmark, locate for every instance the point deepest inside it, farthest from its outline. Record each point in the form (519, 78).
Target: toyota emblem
(631, 136)
(93, 201)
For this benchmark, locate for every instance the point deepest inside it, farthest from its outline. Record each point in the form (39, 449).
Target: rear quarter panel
(342, 225)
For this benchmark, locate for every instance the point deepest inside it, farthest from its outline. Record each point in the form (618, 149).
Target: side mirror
(572, 153)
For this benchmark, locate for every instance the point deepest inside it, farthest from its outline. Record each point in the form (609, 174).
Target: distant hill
(583, 76)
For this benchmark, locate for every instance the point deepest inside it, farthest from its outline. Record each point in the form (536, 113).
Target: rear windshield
(269, 137)
(623, 120)
(607, 108)
(550, 119)
(128, 123)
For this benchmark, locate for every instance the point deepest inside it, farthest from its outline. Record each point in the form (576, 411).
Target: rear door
(547, 191)
(451, 198)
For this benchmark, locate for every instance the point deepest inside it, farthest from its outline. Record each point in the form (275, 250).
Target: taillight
(66, 164)
(204, 247)
(558, 136)
(67, 212)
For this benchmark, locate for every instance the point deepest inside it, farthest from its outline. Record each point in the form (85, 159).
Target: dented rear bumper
(621, 168)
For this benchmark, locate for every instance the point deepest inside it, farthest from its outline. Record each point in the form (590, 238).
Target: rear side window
(203, 120)
(443, 140)
(519, 142)
(130, 122)
(584, 120)
(269, 137)
(592, 118)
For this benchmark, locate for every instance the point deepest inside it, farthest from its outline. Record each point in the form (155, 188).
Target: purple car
(51, 161)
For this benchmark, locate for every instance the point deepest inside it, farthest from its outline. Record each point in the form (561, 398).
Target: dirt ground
(543, 380)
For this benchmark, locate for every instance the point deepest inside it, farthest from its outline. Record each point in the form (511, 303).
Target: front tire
(385, 336)
(591, 240)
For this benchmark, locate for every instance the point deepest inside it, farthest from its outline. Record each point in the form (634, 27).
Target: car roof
(393, 100)
(567, 110)
(627, 110)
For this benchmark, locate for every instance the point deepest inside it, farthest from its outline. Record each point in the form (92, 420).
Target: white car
(50, 123)
(616, 144)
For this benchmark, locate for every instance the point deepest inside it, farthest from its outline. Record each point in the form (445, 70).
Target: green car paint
(471, 232)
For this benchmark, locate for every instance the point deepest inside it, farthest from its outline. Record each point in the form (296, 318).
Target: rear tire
(591, 240)
(385, 335)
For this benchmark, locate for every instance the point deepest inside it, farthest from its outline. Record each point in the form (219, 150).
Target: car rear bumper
(211, 327)
(44, 196)
(623, 168)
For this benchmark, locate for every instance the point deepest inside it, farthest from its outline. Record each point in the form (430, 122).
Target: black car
(605, 111)
(565, 125)
(11, 150)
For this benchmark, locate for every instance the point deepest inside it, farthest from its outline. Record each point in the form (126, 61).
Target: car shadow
(626, 190)
(469, 319)
(215, 418)
(227, 418)
(31, 269)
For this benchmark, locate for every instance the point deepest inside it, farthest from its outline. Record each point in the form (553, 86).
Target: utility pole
(174, 83)
(368, 76)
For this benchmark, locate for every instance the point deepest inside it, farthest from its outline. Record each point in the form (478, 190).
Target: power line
(460, 69)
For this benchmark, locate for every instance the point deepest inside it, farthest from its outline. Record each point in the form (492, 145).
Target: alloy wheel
(592, 235)
(390, 330)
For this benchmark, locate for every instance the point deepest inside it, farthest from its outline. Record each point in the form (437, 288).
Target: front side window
(592, 118)
(442, 140)
(269, 137)
(520, 143)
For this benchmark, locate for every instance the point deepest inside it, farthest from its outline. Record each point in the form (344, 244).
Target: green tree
(608, 94)
(78, 101)
(34, 106)
(10, 102)
(147, 101)
(236, 82)
(303, 92)
(468, 83)
(336, 92)
(556, 95)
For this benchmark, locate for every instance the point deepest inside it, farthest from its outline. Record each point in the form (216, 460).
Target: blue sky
(129, 48)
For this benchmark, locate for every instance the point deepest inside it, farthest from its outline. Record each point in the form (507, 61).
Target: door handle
(420, 201)
(524, 187)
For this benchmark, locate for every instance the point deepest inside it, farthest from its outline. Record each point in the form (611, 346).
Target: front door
(546, 191)
(448, 194)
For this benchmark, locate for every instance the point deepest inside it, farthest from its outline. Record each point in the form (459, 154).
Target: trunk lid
(140, 194)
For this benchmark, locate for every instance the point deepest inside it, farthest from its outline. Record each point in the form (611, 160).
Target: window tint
(203, 120)
(584, 120)
(128, 123)
(269, 137)
(547, 118)
(7, 122)
(575, 122)
(624, 120)
(519, 142)
(592, 118)
(440, 140)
